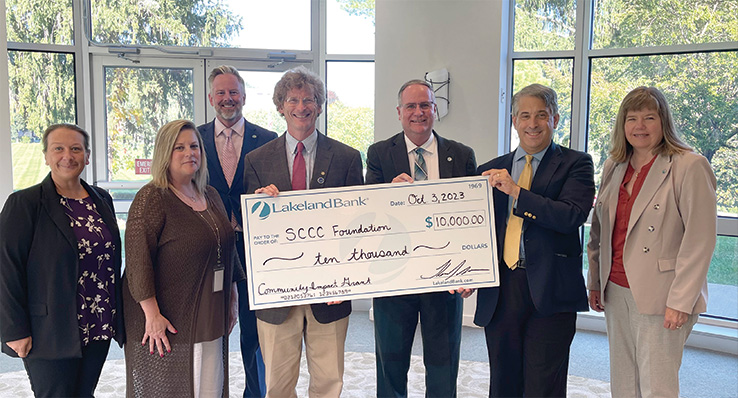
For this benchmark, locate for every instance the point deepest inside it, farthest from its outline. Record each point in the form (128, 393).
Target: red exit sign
(143, 166)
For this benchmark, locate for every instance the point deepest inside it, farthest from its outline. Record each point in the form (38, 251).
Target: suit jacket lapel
(445, 166)
(51, 202)
(656, 176)
(501, 202)
(398, 153)
(546, 169)
(248, 144)
(216, 174)
(276, 160)
(614, 191)
(323, 156)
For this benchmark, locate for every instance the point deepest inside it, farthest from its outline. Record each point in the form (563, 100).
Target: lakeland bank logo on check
(264, 209)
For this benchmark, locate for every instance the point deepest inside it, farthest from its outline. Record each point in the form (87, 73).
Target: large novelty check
(369, 241)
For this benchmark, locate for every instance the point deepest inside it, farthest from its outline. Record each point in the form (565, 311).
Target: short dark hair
(545, 94)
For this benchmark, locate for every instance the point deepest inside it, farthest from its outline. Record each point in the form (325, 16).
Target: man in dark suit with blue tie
(227, 140)
(418, 153)
(543, 194)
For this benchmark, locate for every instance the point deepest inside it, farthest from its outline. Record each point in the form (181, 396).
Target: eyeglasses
(296, 101)
(424, 106)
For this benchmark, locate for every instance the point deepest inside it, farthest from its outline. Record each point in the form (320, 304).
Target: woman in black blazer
(60, 260)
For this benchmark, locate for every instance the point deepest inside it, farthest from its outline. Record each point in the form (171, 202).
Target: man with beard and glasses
(227, 140)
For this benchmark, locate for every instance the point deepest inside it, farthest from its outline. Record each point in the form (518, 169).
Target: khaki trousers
(645, 357)
(281, 346)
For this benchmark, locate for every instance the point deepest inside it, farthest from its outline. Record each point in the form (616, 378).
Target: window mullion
(660, 50)
(541, 54)
(580, 83)
(506, 95)
(41, 47)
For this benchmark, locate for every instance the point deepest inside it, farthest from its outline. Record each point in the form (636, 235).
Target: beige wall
(463, 36)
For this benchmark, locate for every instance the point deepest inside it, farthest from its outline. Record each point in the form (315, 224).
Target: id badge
(218, 279)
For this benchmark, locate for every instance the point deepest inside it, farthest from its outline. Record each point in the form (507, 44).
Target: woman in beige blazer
(652, 237)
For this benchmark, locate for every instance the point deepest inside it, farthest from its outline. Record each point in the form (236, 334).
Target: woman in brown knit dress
(179, 292)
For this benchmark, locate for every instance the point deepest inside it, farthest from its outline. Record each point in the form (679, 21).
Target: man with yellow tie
(543, 194)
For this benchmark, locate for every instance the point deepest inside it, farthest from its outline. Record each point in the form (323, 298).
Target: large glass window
(350, 27)
(350, 104)
(544, 25)
(555, 73)
(702, 92)
(647, 23)
(41, 94)
(260, 108)
(273, 24)
(128, 98)
(723, 278)
(139, 101)
(42, 22)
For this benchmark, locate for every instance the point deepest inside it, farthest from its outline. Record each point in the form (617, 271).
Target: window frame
(99, 159)
(91, 58)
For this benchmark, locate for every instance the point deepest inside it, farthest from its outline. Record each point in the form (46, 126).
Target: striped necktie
(421, 173)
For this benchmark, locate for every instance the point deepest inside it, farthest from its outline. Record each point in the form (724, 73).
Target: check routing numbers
(439, 235)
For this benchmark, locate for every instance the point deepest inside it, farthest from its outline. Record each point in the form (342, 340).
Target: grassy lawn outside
(723, 268)
(29, 167)
(724, 265)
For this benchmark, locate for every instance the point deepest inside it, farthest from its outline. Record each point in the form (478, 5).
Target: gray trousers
(645, 357)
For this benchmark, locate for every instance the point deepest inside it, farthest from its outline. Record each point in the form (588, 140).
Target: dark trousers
(395, 321)
(253, 364)
(528, 351)
(74, 377)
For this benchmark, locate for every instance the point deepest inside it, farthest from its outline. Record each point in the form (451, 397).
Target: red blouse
(622, 218)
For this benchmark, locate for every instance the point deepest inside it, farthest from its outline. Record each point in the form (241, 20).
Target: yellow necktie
(511, 253)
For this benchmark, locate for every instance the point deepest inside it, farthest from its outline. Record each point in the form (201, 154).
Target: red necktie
(298, 169)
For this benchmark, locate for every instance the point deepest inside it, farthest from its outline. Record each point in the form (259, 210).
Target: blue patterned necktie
(421, 173)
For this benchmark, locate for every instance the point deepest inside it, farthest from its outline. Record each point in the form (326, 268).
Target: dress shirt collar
(429, 146)
(237, 128)
(310, 142)
(520, 154)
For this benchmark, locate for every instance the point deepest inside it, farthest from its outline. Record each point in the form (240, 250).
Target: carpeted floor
(359, 380)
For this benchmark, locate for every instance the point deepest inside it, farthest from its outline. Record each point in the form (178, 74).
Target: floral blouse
(96, 283)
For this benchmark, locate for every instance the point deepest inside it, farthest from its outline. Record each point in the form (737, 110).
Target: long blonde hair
(163, 148)
(652, 99)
